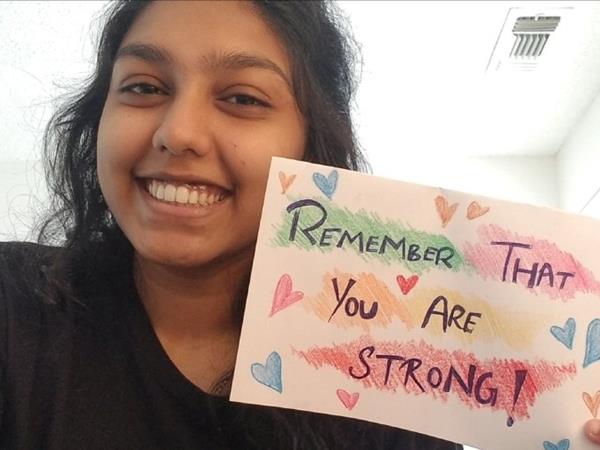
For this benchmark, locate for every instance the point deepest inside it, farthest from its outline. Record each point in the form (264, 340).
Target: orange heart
(286, 181)
(444, 210)
(593, 403)
(475, 210)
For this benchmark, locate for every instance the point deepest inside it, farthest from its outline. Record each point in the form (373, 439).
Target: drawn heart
(444, 210)
(285, 181)
(328, 184)
(475, 210)
(284, 296)
(562, 445)
(269, 374)
(406, 285)
(566, 334)
(593, 403)
(347, 399)
(592, 343)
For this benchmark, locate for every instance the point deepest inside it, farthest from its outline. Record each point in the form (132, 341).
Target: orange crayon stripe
(366, 288)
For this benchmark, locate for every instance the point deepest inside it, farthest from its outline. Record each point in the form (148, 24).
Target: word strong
(539, 272)
(352, 305)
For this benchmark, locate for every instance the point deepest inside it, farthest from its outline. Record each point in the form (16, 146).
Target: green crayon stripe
(369, 231)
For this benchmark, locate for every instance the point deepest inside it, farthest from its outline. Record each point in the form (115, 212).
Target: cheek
(249, 154)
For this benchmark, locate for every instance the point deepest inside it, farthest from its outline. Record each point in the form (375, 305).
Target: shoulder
(22, 268)
(13, 255)
(21, 283)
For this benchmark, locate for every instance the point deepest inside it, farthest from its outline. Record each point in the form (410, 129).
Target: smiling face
(200, 100)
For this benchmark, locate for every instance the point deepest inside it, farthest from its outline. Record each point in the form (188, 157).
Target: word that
(537, 274)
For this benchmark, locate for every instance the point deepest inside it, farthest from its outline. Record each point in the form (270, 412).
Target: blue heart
(269, 374)
(562, 445)
(566, 334)
(328, 184)
(592, 343)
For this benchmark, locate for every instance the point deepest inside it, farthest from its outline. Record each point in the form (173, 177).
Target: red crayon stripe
(419, 368)
(552, 271)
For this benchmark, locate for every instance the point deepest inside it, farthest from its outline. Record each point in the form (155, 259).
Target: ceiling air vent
(526, 37)
(531, 35)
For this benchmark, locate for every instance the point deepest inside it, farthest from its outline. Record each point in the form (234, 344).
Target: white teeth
(183, 194)
(170, 191)
(160, 191)
(202, 198)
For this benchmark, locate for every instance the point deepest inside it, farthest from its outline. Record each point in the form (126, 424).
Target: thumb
(592, 430)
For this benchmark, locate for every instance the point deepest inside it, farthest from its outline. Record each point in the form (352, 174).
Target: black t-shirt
(90, 373)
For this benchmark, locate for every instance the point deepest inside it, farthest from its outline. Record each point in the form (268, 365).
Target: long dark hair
(323, 59)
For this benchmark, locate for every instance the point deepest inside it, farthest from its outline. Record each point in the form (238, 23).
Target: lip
(165, 210)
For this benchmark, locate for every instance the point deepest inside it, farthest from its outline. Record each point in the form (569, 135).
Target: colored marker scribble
(419, 368)
(320, 225)
(489, 322)
(362, 291)
(534, 263)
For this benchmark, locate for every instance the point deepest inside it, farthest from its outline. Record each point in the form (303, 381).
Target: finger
(592, 430)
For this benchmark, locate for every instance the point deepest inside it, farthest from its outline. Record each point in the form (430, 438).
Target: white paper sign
(462, 317)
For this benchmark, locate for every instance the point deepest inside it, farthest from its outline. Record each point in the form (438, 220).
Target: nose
(185, 127)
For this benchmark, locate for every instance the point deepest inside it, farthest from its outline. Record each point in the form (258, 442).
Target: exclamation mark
(520, 376)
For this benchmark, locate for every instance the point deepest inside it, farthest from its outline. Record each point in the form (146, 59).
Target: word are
(352, 305)
(474, 383)
(455, 316)
(321, 236)
(536, 273)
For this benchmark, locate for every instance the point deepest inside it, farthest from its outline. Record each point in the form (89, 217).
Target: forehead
(193, 29)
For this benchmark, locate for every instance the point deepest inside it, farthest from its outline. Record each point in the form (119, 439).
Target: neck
(193, 303)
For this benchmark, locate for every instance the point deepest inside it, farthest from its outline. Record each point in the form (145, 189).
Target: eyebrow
(211, 62)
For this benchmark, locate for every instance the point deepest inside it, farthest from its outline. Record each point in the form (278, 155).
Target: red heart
(406, 285)
(347, 399)
(284, 296)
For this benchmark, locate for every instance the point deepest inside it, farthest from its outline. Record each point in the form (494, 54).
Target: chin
(188, 255)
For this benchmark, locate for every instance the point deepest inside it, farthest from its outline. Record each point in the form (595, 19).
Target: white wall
(579, 165)
(22, 196)
(523, 179)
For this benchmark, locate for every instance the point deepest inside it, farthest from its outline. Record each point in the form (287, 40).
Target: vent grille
(531, 35)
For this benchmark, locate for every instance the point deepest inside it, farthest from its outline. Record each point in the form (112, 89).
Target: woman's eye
(246, 100)
(142, 89)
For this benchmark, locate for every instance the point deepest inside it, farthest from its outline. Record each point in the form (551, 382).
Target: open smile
(184, 194)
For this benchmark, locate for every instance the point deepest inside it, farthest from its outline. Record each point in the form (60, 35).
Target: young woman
(125, 336)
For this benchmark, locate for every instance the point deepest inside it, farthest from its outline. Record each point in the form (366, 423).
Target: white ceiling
(424, 87)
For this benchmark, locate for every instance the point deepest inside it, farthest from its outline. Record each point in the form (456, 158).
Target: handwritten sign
(462, 317)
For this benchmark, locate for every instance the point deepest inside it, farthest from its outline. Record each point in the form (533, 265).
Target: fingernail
(592, 429)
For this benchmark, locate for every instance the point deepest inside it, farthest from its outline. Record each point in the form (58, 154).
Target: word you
(352, 305)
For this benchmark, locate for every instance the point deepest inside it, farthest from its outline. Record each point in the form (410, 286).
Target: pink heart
(347, 399)
(406, 285)
(284, 296)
